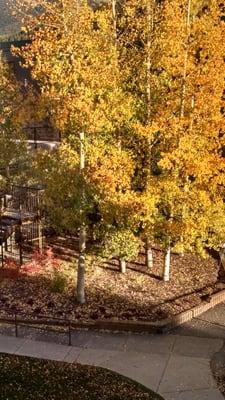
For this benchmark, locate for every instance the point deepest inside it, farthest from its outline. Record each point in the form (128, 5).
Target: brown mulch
(219, 376)
(140, 294)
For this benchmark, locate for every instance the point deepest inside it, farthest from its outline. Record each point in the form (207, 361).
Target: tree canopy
(144, 82)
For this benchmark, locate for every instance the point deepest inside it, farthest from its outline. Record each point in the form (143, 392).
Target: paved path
(177, 367)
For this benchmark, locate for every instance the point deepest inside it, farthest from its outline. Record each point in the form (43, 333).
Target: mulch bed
(220, 380)
(140, 294)
(29, 378)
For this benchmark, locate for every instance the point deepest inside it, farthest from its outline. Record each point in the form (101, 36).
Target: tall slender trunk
(183, 98)
(82, 235)
(192, 111)
(114, 15)
(184, 80)
(8, 177)
(184, 212)
(166, 271)
(122, 266)
(115, 43)
(149, 254)
(150, 30)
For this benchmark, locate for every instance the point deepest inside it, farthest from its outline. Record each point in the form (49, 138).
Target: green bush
(58, 282)
(122, 244)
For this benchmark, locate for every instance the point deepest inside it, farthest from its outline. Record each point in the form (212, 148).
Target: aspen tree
(76, 66)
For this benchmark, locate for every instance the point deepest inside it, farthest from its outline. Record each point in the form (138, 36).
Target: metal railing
(40, 322)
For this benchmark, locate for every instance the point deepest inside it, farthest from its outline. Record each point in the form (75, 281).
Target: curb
(157, 327)
(188, 315)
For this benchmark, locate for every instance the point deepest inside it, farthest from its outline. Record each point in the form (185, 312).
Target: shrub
(11, 268)
(58, 282)
(42, 263)
(122, 244)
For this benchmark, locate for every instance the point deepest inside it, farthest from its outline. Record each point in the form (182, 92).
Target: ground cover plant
(28, 378)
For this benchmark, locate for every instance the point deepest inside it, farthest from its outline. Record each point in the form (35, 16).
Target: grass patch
(24, 378)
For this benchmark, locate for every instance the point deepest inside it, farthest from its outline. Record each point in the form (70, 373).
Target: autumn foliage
(145, 82)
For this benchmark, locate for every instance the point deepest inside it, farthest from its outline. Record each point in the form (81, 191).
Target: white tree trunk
(150, 30)
(82, 235)
(114, 14)
(166, 272)
(222, 256)
(182, 247)
(122, 266)
(184, 84)
(183, 95)
(149, 255)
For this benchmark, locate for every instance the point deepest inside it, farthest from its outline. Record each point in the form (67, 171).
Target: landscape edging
(160, 326)
(188, 315)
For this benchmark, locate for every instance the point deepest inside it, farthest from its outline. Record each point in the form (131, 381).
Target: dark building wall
(22, 74)
(41, 131)
(8, 24)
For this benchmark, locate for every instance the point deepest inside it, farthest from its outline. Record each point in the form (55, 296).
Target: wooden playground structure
(20, 220)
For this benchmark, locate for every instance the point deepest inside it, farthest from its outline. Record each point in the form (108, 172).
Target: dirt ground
(139, 294)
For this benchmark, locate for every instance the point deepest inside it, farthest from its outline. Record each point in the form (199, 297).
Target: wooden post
(40, 236)
(39, 222)
(12, 241)
(2, 254)
(20, 245)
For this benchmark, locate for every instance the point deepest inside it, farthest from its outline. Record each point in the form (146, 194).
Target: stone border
(161, 326)
(188, 315)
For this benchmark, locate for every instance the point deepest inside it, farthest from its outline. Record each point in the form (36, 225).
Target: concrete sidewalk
(177, 367)
(210, 324)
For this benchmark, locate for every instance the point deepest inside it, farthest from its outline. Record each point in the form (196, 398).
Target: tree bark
(149, 255)
(114, 14)
(122, 266)
(183, 94)
(82, 235)
(150, 28)
(150, 33)
(184, 84)
(166, 272)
